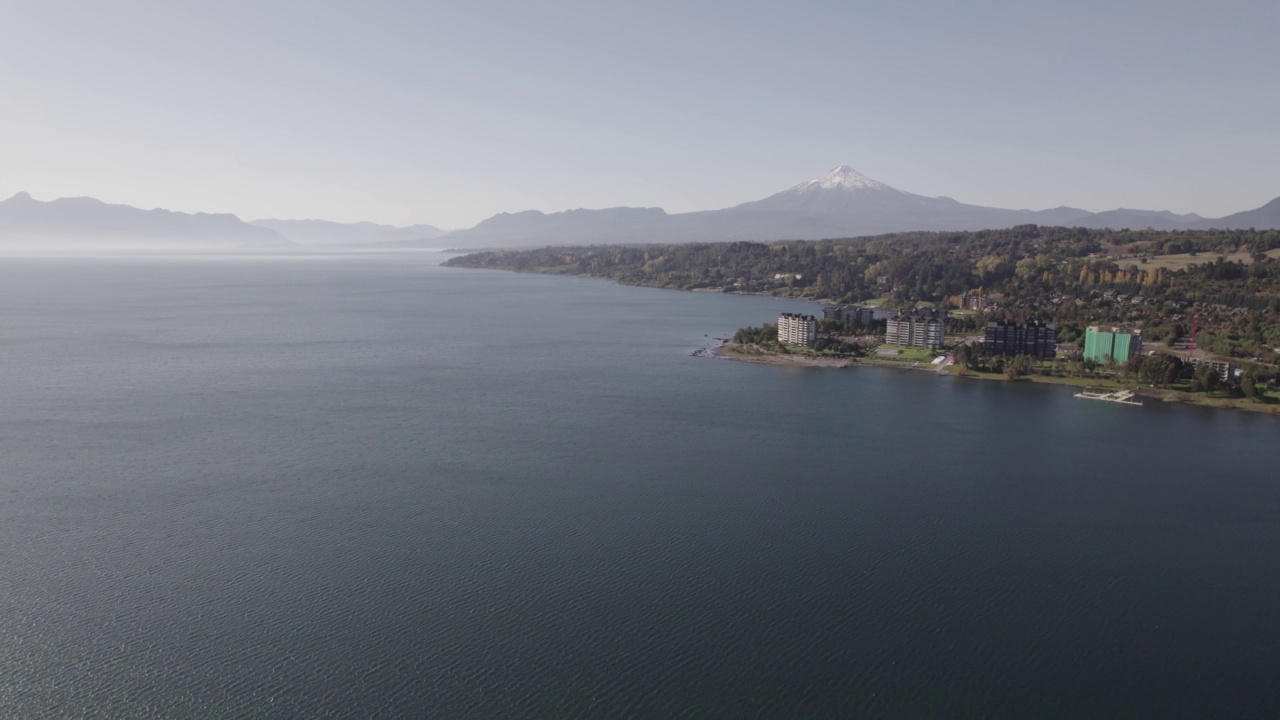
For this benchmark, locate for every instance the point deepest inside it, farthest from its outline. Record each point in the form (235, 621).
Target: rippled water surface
(355, 486)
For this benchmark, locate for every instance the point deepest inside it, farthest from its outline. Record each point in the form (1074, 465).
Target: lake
(358, 485)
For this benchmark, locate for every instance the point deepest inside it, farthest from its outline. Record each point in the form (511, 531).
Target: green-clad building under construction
(1104, 344)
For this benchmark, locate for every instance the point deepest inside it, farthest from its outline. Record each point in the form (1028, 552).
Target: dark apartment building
(852, 315)
(1037, 339)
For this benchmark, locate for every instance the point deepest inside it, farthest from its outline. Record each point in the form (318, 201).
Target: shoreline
(727, 350)
(654, 286)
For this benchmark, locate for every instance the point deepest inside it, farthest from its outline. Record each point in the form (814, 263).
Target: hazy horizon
(435, 114)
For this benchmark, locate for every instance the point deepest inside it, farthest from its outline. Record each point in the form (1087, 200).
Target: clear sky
(448, 112)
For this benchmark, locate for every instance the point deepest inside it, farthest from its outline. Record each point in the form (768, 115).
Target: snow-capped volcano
(842, 190)
(842, 177)
(840, 203)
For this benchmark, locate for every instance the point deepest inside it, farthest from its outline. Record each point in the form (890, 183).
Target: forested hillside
(1156, 280)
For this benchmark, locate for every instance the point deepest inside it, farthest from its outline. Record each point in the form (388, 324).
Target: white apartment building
(797, 329)
(917, 329)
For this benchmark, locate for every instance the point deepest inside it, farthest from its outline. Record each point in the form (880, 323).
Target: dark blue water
(356, 486)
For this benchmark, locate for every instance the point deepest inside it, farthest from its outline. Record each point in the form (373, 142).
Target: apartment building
(1104, 344)
(797, 329)
(1223, 369)
(917, 328)
(1035, 339)
(852, 315)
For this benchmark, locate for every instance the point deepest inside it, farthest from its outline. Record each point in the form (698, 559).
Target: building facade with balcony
(797, 329)
(917, 328)
(851, 315)
(1035, 339)
(1224, 369)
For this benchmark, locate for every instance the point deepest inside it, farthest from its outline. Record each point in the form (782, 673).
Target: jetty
(1124, 397)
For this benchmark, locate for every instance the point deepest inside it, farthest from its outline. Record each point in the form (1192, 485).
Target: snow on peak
(841, 178)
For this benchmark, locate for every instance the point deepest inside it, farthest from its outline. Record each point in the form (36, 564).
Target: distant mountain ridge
(85, 221)
(324, 232)
(840, 203)
(1265, 217)
(1126, 218)
(623, 225)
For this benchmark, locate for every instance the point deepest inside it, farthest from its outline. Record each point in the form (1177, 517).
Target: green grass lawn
(801, 350)
(906, 353)
(1184, 260)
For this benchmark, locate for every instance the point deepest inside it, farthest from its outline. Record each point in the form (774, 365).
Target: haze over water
(358, 485)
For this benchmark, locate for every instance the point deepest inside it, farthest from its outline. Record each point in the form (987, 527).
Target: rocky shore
(750, 353)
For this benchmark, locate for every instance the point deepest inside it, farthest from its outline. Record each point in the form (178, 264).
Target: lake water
(364, 485)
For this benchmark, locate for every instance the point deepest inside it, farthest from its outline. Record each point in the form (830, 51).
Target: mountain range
(85, 221)
(324, 232)
(840, 203)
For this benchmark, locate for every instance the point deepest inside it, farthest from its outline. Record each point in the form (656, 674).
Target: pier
(1124, 397)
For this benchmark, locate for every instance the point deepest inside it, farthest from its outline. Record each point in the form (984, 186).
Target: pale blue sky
(446, 113)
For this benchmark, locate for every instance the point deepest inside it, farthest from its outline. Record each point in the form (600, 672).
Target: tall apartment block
(797, 329)
(1102, 344)
(917, 328)
(1036, 339)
